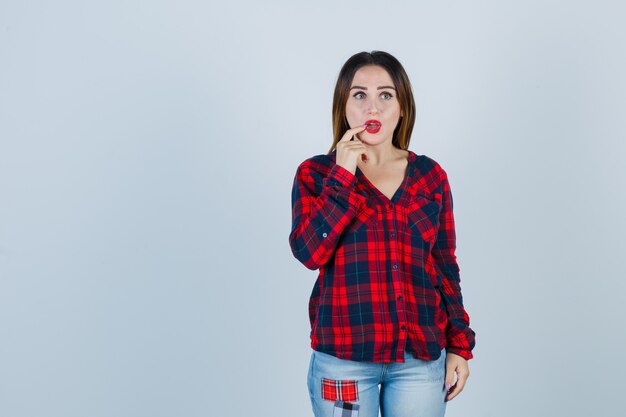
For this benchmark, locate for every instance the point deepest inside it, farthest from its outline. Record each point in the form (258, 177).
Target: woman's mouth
(372, 126)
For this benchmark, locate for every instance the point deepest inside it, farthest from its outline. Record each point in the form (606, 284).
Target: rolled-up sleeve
(322, 206)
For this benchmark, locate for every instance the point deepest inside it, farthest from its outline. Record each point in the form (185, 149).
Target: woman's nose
(372, 108)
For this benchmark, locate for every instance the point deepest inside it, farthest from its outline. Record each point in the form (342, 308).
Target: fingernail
(448, 385)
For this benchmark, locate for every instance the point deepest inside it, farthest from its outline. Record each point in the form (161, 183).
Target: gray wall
(147, 153)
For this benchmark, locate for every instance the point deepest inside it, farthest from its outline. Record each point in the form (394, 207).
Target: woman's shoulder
(426, 163)
(429, 170)
(317, 166)
(320, 163)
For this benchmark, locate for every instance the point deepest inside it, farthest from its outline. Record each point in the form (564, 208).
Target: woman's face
(373, 97)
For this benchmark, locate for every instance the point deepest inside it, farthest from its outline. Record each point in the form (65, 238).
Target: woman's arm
(321, 209)
(460, 337)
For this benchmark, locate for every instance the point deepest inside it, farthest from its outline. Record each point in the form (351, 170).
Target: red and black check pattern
(388, 276)
(333, 390)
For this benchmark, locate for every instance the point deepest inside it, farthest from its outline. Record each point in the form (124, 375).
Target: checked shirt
(388, 277)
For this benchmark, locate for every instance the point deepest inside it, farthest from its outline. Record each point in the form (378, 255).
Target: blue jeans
(415, 388)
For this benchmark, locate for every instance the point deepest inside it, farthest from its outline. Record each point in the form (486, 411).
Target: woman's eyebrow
(379, 88)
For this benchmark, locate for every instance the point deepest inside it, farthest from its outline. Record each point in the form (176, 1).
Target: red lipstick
(372, 126)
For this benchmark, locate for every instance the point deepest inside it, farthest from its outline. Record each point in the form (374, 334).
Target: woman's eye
(385, 95)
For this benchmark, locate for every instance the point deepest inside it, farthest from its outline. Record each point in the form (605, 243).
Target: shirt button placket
(397, 288)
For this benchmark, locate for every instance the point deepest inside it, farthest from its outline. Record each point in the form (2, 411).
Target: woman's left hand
(458, 364)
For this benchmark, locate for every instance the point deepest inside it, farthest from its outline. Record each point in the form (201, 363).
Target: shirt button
(324, 234)
(403, 327)
(400, 297)
(395, 266)
(393, 234)
(390, 205)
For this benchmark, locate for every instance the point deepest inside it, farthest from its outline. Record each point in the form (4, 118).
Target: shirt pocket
(366, 217)
(423, 216)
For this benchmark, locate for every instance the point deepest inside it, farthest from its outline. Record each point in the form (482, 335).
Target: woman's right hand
(348, 150)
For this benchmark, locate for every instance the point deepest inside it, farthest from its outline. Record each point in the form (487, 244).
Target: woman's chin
(370, 139)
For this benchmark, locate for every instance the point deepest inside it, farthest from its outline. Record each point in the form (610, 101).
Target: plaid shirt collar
(403, 194)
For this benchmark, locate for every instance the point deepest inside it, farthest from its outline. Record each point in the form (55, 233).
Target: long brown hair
(402, 132)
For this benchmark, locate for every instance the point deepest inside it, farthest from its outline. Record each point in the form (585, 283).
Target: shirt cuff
(466, 354)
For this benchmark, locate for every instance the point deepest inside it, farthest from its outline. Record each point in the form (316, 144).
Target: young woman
(376, 220)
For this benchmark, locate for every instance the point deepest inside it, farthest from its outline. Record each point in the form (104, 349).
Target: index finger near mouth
(351, 132)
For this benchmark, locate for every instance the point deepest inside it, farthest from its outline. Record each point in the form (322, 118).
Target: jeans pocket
(438, 369)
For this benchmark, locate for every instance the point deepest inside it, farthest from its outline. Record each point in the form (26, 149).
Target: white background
(147, 153)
